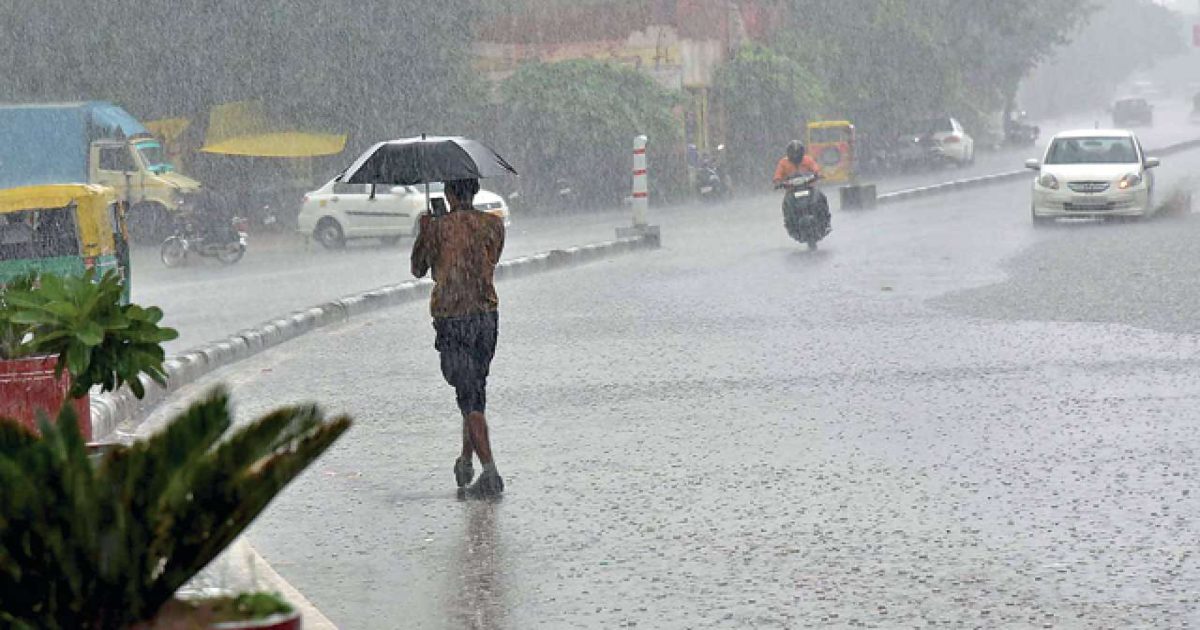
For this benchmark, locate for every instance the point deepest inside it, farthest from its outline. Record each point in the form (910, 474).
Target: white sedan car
(950, 140)
(337, 212)
(1093, 173)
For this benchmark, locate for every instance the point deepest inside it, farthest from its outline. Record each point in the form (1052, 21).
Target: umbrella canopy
(413, 161)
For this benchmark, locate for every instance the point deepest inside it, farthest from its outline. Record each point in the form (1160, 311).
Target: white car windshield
(1116, 150)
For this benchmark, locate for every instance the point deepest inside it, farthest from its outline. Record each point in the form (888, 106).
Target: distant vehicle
(712, 184)
(833, 144)
(907, 152)
(949, 141)
(337, 212)
(1092, 173)
(93, 143)
(1018, 131)
(227, 243)
(805, 210)
(63, 229)
(1130, 112)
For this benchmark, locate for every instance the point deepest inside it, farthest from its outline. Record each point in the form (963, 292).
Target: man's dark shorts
(466, 345)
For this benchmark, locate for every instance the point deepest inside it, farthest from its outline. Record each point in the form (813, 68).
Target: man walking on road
(462, 248)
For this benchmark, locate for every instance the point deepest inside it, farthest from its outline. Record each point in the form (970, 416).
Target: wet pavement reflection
(479, 602)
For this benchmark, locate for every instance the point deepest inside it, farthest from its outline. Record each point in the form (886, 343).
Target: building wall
(680, 43)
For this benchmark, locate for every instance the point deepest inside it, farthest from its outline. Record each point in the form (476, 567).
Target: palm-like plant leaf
(87, 545)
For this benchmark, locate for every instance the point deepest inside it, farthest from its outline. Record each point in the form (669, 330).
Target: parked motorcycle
(1019, 132)
(805, 210)
(225, 243)
(710, 185)
(711, 182)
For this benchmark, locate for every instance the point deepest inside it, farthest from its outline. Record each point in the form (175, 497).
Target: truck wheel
(150, 223)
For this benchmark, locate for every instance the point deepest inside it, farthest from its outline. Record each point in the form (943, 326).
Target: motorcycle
(711, 182)
(1019, 133)
(227, 245)
(805, 210)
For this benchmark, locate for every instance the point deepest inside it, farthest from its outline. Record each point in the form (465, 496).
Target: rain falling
(599, 313)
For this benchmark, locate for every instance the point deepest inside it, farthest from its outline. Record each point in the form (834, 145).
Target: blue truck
(93, 142)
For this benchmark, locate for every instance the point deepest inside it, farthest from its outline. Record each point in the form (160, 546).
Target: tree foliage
(106, 545)
(766, 97)
(576, 120)
(887, 62)
(1122, 38)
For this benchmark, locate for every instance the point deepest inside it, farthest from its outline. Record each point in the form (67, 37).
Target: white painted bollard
(641, 182)
(641, 198)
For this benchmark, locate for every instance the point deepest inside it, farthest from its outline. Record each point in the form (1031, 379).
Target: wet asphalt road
(942, 418)
(206, 301)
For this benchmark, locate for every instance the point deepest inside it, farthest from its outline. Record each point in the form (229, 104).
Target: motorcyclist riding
(210, 216)
(795, 163)
(805, 209)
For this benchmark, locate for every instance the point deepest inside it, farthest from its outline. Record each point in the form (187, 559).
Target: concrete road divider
(858, 196)
(110, 411)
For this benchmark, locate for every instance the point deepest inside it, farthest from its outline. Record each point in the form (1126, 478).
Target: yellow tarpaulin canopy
(169, 129)
(284, 144)
(246, 128)
(52, 196)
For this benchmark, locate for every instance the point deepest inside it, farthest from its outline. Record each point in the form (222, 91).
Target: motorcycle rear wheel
(231, 253)
(173, 252)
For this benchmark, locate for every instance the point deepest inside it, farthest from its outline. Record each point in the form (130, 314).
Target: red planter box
(28, 386)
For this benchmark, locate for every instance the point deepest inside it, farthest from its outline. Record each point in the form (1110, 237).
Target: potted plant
(106, 542)
(62, 336)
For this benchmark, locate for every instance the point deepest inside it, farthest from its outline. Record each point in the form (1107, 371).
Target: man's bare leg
(477, 433)
(464, 472)
(489, 483)
(467, 449)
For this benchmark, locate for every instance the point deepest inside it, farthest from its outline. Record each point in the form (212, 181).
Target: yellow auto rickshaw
(832, 144)
(63, 229)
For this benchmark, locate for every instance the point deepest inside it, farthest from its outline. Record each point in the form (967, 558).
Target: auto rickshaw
(832, 144)
(63, 229)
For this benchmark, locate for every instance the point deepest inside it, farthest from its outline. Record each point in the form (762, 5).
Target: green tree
(767, 97)
(577, 119)
(1086, 74)
(889, 62)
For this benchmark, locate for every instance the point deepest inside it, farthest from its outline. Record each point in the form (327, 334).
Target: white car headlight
(1129, 181)
(1046, 180)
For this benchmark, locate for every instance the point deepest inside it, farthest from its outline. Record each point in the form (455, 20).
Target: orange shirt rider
(788, 169)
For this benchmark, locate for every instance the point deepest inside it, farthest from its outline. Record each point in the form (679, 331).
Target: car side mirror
(1153, 162)
(1033, 165)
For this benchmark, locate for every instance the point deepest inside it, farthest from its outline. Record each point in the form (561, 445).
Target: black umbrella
(413, 161)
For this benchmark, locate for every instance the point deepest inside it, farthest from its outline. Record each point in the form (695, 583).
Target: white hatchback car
(1093, 173)
(337, 212)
